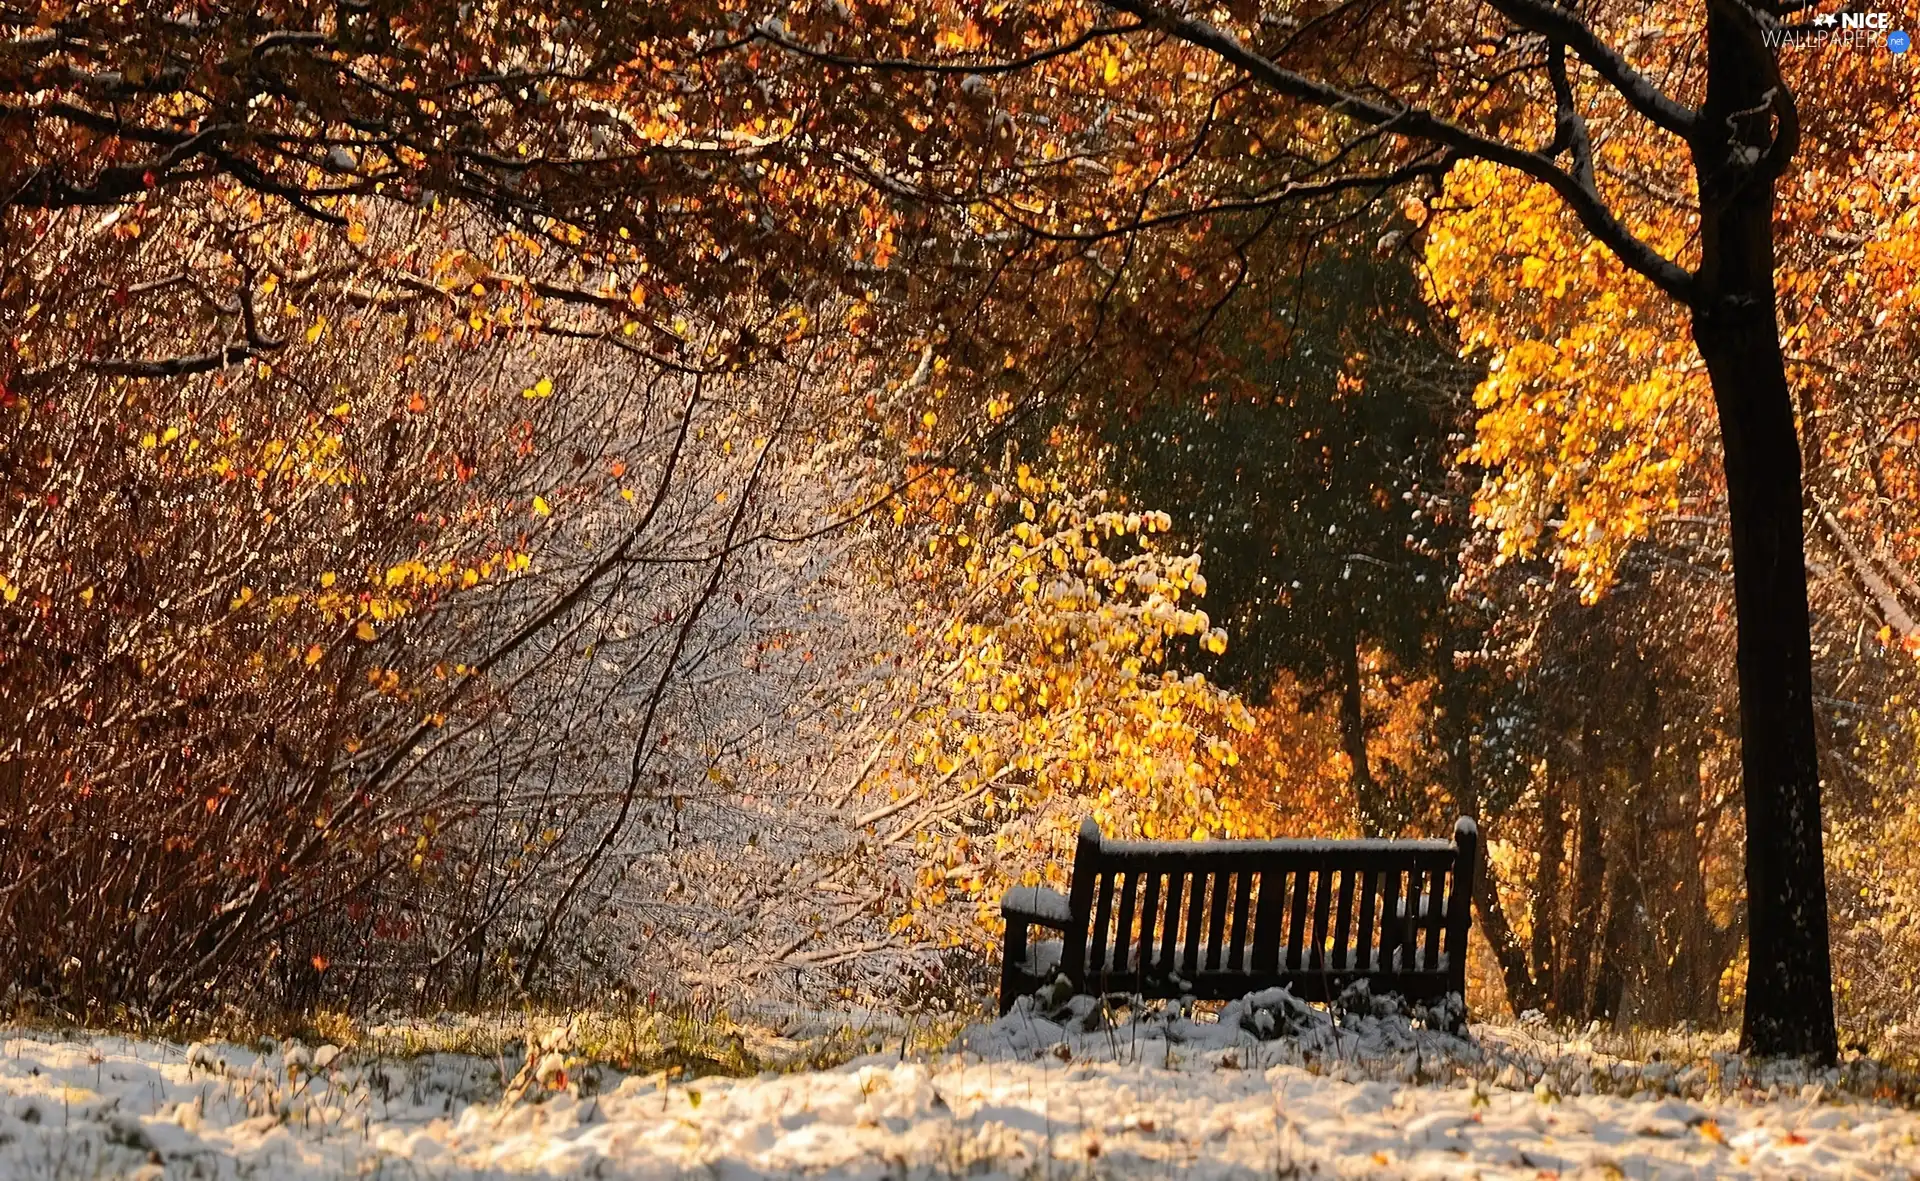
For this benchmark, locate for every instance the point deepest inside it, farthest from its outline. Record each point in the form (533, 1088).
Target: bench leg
(1012, 956)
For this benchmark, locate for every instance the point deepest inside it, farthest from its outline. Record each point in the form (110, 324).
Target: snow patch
(1264, 1086)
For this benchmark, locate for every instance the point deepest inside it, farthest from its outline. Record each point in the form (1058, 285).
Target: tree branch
(1413, 123)
(773, 36)
(1562, 26)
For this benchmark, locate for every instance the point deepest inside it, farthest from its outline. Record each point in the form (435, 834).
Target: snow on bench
(1220, 919)
(1038, 903)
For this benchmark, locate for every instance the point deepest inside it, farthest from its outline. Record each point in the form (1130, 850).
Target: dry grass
(680, 1041)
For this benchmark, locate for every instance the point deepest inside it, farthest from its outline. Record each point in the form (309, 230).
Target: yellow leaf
(540, 389)
(541, 506)
(314, 653)
(319, 326)
(327, 579)
(365, 631)
(356, 233)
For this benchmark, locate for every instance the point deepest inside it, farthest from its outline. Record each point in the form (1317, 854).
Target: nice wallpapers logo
(1863, 30)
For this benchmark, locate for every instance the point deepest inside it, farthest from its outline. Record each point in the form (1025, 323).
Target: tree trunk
(1789, 1006)
(1617, 946)
(1696, 983)
(1353, 730)
(1456, 738)
(1639, 902)
(1546, 888)
(1589, 879)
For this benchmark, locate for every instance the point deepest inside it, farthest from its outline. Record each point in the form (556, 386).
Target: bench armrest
(1037, 905)
(1023, 907)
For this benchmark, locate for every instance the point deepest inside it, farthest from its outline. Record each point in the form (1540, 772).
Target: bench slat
(1343, 919)
(1297, 929)
(1196, 916)
(1364, 943)
(1242, 899)
(1270, 852)
(1217, 919)
(1389, 921)
(1322, 907)
(1149, 916)
(1169, 948)
(1435, 913)
(1102, 918)
(1268, 919)
(1158, 858)
(1123, 928)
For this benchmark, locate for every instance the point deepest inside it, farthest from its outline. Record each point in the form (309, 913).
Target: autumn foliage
(703, 495)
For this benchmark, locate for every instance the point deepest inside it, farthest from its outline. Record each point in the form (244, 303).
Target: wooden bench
(1219, 919)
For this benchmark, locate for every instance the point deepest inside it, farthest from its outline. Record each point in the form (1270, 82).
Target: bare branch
(1886, 600)
(1563, 26)
(1569, 127)
(1413, 123)
(773, 36)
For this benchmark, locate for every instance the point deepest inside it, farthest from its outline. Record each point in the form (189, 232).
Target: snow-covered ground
(1169, 1095)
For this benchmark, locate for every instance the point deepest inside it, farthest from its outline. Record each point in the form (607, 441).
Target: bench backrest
(1218, 919)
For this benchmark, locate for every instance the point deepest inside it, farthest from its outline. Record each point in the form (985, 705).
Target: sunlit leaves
(1056, 689)
(1594, 398)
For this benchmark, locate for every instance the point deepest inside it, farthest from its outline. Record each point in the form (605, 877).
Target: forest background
(510, 501)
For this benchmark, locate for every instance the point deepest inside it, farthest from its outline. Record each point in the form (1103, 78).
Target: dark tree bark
(1546, 888)
(1789, 1001)
(1701, 950)
(1618, 945)
(1523, 989)
(1353, 729)
(1589, 879)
